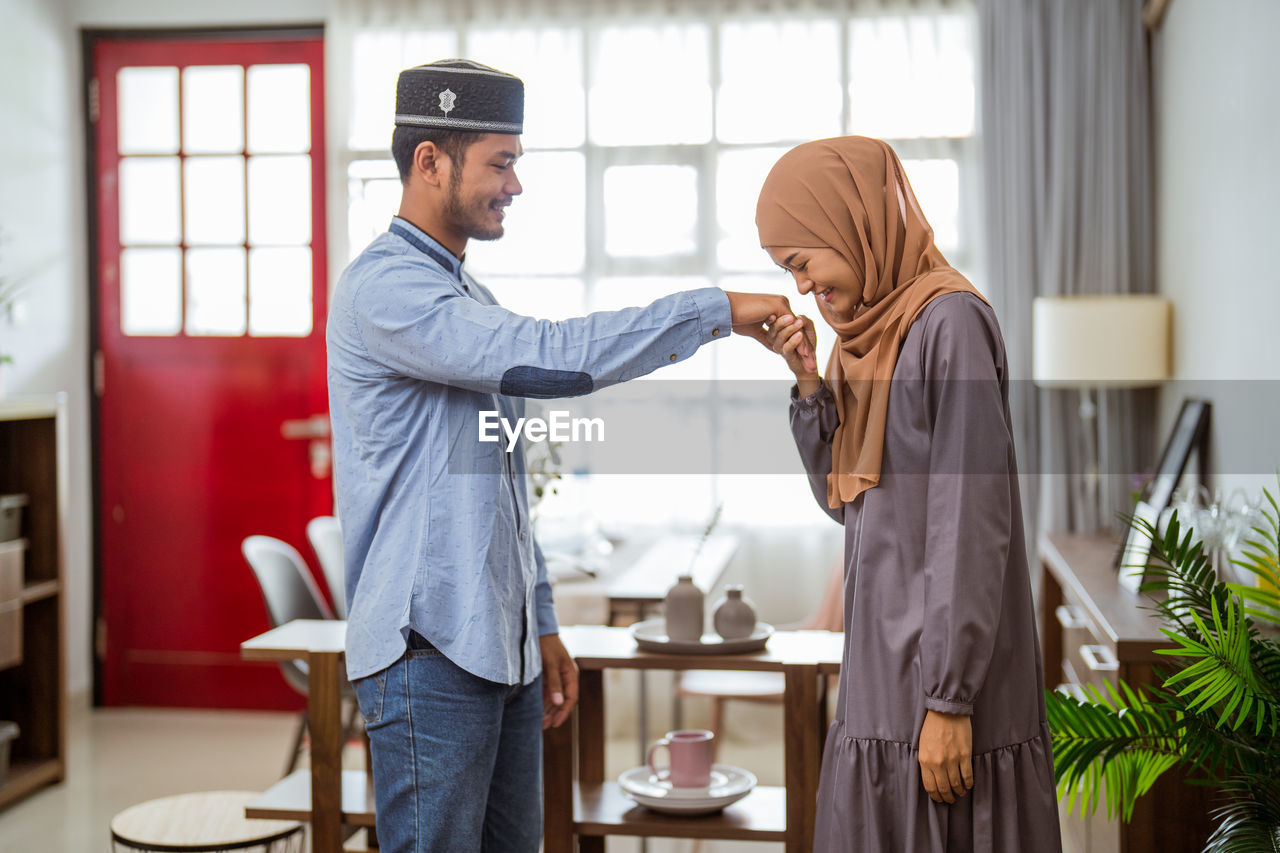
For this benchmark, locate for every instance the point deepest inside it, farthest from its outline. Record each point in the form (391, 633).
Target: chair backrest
(325, 535)
(288, 589)
(830, 613)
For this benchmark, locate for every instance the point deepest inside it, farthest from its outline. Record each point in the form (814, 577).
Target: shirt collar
(425, 243)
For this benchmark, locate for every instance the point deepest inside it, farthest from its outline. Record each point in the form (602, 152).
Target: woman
(939, 741)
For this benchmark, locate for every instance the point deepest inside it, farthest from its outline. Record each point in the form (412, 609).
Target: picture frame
(1137, 547)
(1190, 432)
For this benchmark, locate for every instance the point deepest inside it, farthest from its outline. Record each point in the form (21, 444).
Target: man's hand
(559, 681)
(751, 311)
(946, 756)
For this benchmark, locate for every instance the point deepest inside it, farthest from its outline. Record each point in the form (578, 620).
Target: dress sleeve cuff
(814, 401)
(946, 706)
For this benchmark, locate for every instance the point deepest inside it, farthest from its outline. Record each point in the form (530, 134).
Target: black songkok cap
(458, 94)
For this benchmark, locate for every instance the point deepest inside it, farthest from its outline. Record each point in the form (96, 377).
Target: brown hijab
(850, 194)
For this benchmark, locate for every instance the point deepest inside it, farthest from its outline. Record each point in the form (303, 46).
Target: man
(451, 637)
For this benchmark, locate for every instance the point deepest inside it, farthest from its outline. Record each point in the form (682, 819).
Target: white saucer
(651, 636)
(728, 785)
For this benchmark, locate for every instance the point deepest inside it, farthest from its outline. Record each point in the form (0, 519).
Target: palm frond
(1117, 742)
(1217, 670)
(1249, 822)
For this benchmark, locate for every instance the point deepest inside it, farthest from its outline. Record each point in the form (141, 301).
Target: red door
(209, 179)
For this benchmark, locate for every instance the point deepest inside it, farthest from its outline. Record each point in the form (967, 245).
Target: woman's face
(836, 286)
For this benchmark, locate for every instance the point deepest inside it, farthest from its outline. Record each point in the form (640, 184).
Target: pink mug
(691, 754)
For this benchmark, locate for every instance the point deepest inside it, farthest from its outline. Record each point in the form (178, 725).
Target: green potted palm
(1216, 711)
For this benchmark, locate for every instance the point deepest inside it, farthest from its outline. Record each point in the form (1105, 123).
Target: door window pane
(215, 292)
(549, 61)
(149, 201)
(544, 232)
(151, 291)
(780, 81)
(937, 187)
(280, 292)
(922, 60)
(650, 210)
(279, 109)
(214, 200)
(213, 109)
(738, 180)
(148, 110)
(652, 85)
(280, 200)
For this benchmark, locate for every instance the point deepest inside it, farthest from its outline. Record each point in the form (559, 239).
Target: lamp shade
(1100, 341)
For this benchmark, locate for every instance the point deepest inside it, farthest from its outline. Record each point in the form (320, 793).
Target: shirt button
(715, 332)
(521, 537)
(673, 356)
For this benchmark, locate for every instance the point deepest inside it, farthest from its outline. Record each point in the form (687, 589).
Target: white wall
(1215, 74)
(43, 223)
(122, 14)
(42, 220)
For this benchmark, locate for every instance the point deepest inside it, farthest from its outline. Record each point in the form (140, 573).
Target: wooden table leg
(324, 719)
(802, 719)
(591, 741)
(557, 787)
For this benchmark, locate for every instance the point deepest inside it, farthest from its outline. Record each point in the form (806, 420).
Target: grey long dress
(938, 609)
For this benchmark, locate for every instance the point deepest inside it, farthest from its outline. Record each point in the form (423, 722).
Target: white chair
(325, 535)
(290, 592)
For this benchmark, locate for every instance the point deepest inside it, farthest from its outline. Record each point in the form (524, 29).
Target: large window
(646, 143)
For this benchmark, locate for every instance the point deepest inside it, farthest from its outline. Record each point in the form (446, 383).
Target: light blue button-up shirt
(435, 523)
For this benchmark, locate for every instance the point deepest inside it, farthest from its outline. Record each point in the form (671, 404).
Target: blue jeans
(457, 759)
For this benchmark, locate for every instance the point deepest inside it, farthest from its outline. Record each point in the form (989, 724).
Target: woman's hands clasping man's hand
(796, 340)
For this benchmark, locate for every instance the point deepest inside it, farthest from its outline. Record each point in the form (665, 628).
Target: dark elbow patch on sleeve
(545, 384)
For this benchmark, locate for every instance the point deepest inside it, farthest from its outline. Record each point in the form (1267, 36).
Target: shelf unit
(33, 693)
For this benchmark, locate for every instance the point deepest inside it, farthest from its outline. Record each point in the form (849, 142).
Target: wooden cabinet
(1096, 632)
(33, 690)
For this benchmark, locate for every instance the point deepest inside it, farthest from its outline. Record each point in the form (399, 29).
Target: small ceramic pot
(683, 610)
(735, 617)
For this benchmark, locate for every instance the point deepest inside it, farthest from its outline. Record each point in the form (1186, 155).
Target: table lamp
(1092, 343)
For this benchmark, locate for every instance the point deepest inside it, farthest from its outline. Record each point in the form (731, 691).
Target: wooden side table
(581, 812)
(1097, 632)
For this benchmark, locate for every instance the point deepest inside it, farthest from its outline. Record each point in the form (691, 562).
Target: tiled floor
(119, 757)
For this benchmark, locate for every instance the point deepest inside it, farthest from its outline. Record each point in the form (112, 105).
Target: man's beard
(470, 219)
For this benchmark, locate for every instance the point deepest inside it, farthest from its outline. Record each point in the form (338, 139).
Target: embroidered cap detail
(447, 100)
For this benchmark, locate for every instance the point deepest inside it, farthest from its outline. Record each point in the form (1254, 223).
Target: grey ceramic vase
(683, 609)
(735, 618)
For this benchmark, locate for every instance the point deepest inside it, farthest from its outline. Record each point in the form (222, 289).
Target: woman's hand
(946, 756)
(795, 339)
